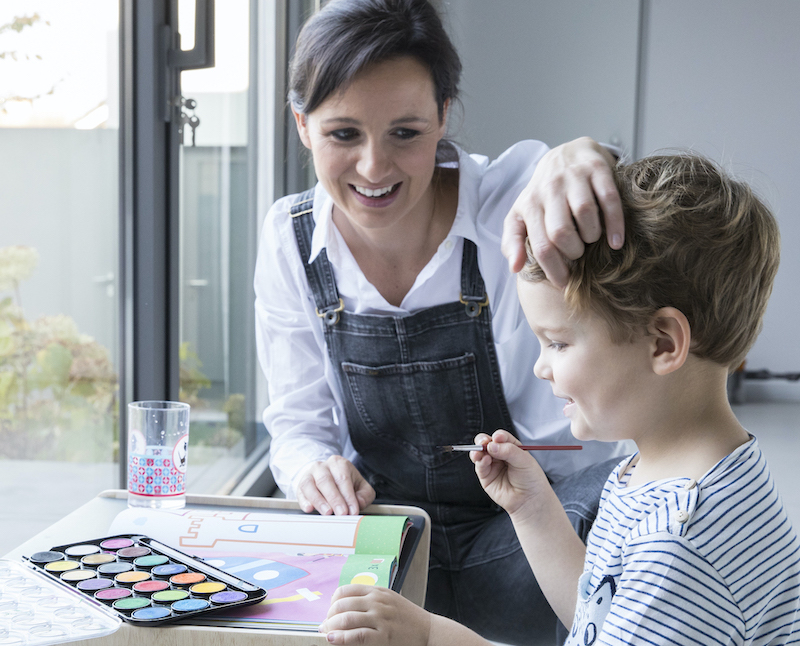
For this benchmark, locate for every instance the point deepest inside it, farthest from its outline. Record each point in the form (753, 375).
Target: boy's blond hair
(696, 240)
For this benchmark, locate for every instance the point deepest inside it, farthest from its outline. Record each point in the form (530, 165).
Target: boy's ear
(671, 336)
(301, 119)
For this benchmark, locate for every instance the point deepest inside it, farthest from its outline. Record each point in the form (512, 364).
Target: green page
(381, 535)
(378, 543)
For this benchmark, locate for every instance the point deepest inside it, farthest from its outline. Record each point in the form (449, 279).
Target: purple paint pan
(110, 595)
(93, 585)
(116, 543)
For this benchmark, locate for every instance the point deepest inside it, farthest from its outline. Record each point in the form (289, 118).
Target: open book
(299, 559)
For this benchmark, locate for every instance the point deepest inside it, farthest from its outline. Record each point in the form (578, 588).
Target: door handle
(202, 54)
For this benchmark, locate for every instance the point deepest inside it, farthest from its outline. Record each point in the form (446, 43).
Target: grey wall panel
(545, 70)
(723, 77)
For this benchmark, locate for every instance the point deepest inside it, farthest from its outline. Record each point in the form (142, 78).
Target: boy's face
(605, 384)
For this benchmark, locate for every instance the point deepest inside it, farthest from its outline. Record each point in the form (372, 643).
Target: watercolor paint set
(132, 578)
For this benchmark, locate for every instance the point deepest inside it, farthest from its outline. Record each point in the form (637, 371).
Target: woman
(388, 323)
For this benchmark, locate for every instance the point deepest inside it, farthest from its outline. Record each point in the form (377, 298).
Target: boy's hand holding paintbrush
(509, 474)
(514, 480)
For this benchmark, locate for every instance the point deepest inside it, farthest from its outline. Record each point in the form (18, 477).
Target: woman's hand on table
(571, 193)
(334, 486)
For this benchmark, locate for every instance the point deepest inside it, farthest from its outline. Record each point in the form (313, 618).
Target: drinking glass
(158, 443)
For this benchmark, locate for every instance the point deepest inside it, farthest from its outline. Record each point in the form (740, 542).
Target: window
(59, 342)
(126, 259)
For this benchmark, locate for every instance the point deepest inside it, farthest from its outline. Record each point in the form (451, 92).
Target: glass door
(218, 230)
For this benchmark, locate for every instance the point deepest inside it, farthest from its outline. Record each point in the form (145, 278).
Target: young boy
(691, 544)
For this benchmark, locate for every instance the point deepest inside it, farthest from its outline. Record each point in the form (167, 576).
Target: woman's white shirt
(304, 416)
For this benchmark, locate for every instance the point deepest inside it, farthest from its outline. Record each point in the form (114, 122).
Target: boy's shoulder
(723, 542)
(731, 522)
(736, 492)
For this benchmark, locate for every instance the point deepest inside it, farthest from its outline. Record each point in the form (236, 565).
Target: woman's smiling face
(374, 144)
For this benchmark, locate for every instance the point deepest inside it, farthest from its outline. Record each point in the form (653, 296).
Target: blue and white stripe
(708, 562)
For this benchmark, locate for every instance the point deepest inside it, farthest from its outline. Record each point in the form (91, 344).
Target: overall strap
(319, 273)
(473, 290)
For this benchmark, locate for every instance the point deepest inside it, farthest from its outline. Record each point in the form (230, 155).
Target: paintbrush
(532, 447)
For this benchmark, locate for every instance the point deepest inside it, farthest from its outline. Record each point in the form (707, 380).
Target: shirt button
(448, 244)
(681, 516)
(690, 485)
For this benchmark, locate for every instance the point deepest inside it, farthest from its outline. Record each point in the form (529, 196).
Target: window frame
(149, 333)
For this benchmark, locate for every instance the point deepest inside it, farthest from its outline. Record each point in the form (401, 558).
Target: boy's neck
(692, 426)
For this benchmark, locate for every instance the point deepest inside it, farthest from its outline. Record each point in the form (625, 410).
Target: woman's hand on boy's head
(510, 475)
(362, 614)
(333, 486)
(558, 210)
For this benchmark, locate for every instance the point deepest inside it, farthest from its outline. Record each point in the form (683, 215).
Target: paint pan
(168, 597)
(136, 579)
(190, 605)
(207, 588)
(42, 558)
(132, 553)
(76, 576)
(79, 551)
(96, 560)
(110, 595)
(167, 571)
(151, 561)
(147, 588)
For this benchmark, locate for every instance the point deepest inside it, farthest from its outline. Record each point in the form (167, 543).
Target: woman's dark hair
(348, 35)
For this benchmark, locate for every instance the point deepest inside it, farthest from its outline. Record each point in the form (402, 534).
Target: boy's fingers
(510, 453)
(482, 438)
(356, 636)
(504, 436)
(350, 590)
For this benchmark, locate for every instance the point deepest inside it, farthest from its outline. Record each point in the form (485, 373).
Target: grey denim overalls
(409, 385)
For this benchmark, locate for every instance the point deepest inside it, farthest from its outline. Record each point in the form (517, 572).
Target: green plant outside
(59, 389)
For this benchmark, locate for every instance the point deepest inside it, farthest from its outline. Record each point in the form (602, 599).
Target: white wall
(719, 76)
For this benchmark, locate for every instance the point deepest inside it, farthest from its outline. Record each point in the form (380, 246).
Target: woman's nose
(373, 163)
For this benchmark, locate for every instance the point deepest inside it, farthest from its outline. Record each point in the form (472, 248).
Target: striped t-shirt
(683, 562)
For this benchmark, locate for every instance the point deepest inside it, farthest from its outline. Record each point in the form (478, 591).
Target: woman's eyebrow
(350, 121)
(410, 119)
(342, 120)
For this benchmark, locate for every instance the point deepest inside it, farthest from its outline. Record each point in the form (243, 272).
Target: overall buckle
(331, 314)
(473, 305)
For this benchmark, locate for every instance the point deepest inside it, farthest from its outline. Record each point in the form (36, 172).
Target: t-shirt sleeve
(669, 594)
